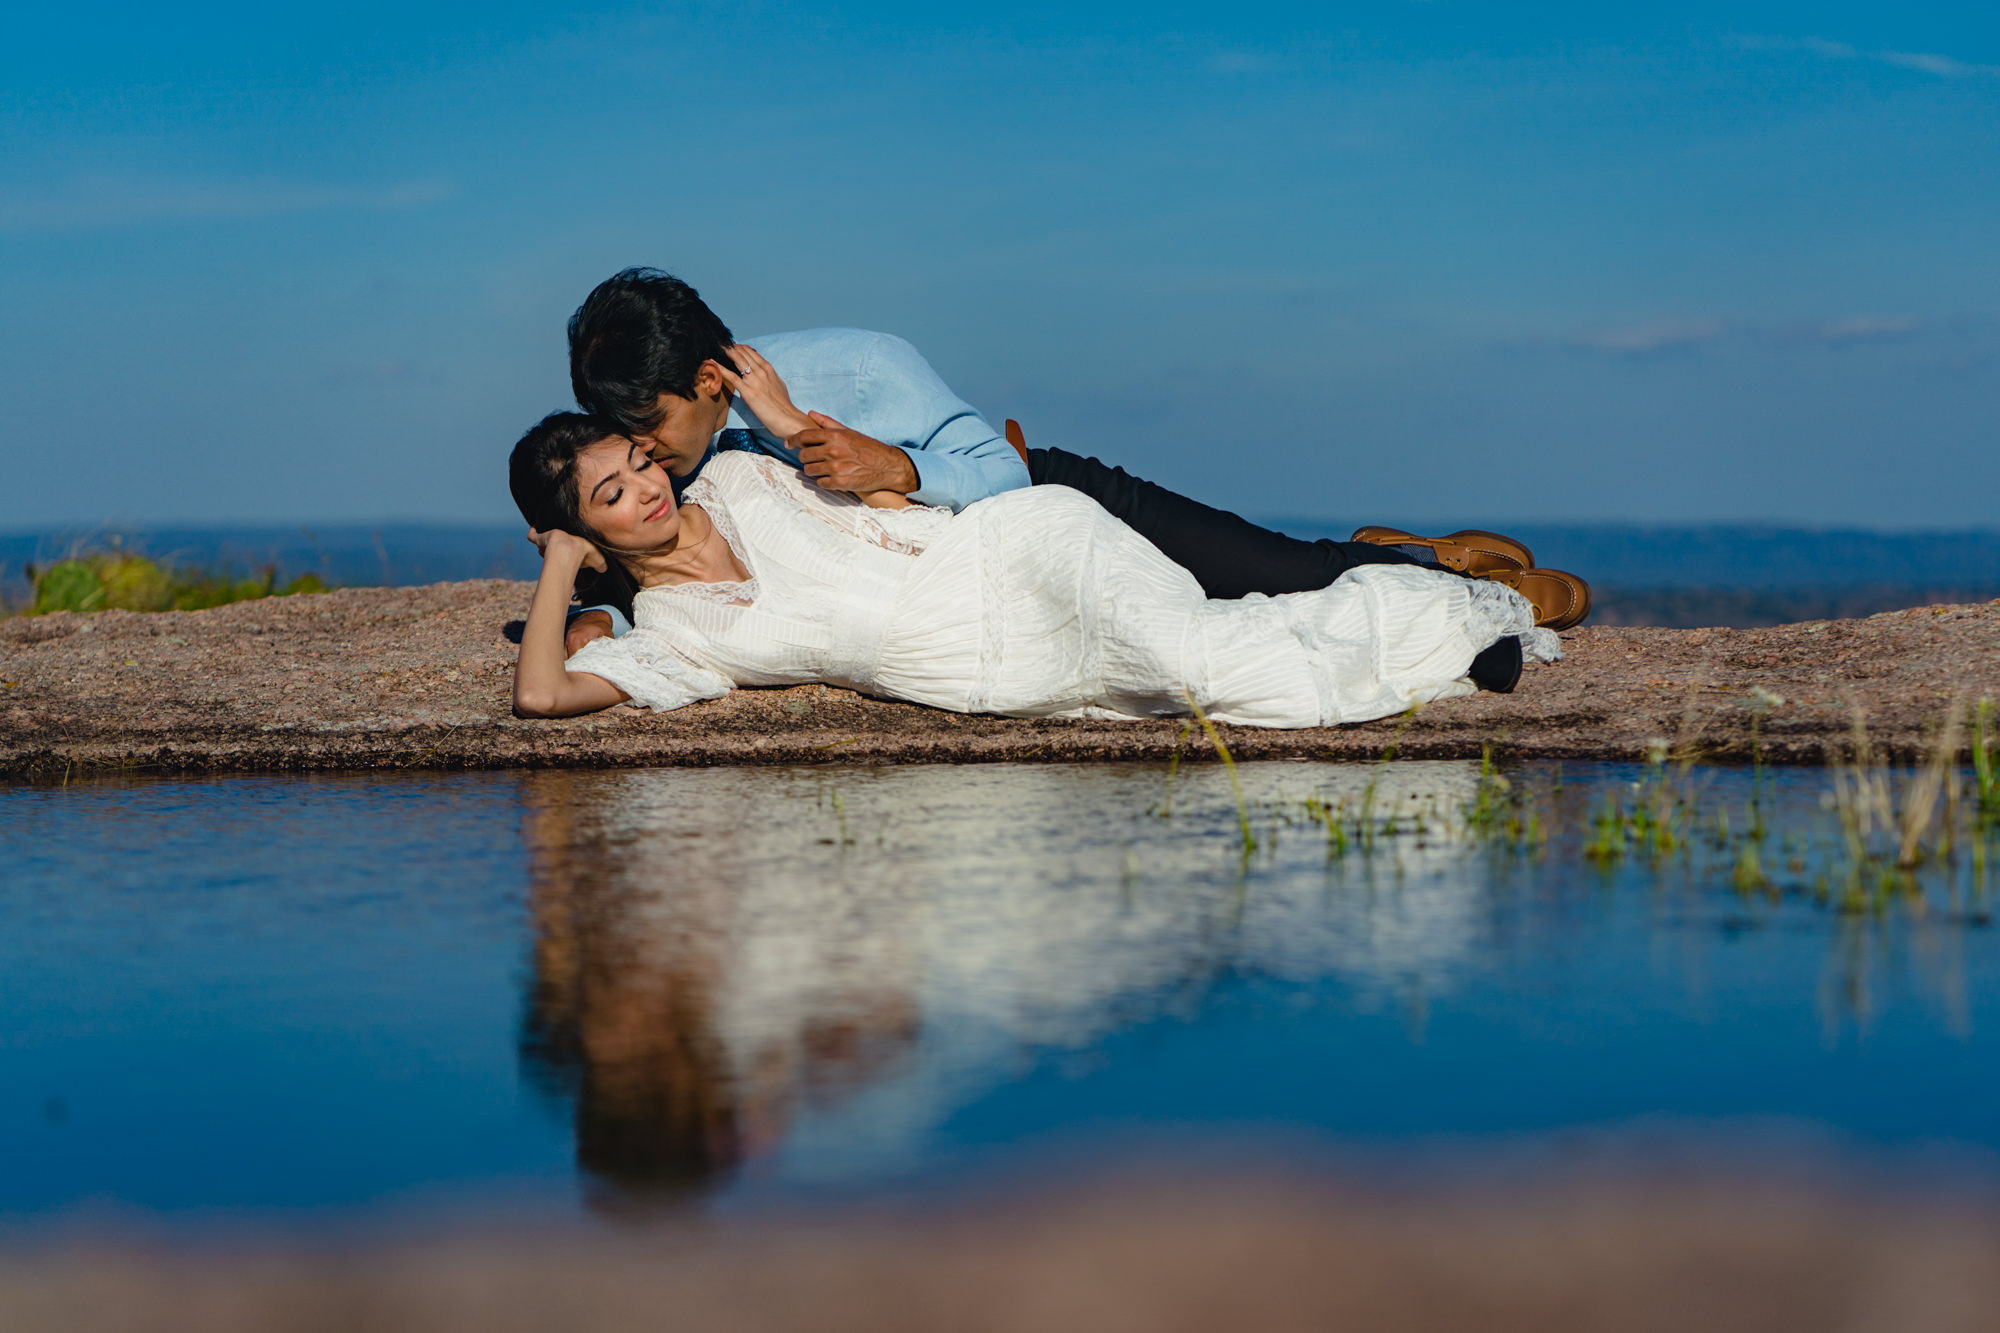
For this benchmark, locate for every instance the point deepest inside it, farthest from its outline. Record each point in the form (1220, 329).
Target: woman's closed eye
(641, 465)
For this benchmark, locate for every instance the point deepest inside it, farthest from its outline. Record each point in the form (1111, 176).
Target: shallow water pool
(335, 996)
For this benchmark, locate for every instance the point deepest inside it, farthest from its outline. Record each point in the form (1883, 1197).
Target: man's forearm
(958, 457)
(593, 622)
(899, 473)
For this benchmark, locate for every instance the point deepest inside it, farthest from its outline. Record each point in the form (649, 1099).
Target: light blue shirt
(878, 384)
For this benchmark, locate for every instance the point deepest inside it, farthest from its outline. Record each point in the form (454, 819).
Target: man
(649, 355)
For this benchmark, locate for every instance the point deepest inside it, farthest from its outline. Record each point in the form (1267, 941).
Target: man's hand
(840, 459)
(582, 629)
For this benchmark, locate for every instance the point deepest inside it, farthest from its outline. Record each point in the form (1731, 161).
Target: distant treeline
(1747, 608)
(349, 555)
(118, 580)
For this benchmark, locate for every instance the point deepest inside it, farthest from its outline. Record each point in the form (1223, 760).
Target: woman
(1033, 603)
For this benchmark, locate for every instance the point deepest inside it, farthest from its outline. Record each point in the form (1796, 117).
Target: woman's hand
(567, 547)
(584, 626)
(763, 392)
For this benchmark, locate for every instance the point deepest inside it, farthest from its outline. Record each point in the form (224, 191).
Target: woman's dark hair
(639, 334)
(541, 473)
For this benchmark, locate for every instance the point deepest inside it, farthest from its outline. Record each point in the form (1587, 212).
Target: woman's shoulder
(734, 477)
(736, 468)
(740, 474)
(732, 464)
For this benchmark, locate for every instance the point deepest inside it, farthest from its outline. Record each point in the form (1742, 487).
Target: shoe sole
(1497, 545)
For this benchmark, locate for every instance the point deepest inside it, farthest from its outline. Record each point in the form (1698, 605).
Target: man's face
(680, 441)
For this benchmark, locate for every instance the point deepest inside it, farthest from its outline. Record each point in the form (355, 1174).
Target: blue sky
(1392, 261)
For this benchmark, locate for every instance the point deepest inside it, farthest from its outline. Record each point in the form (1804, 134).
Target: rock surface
(420, 678)
(1140, 1257)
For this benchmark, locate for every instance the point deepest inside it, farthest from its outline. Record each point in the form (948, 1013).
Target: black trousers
(1229, 556)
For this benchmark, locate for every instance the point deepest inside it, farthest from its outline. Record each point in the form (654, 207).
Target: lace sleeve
(904, 531)
(645, 665)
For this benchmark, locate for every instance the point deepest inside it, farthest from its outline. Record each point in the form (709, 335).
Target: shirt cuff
(944, 479)
(620, 626)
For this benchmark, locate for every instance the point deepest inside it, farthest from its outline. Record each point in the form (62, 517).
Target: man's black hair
(639, 334)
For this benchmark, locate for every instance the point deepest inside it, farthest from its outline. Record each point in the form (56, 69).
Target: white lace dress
(1034, 603)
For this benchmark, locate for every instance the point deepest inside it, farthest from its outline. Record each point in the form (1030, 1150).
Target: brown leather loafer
(1469, 551)
(1560, 599)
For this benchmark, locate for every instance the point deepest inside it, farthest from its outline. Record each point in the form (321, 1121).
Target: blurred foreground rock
(419, 678)
(1199, 1257)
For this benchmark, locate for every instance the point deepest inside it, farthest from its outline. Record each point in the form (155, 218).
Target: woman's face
(625, 496)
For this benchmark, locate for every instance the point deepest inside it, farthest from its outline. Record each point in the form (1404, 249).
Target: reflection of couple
(889, 540)
(687, 1028)
(710, 986)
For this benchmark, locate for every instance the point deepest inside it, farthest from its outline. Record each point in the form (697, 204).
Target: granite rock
(420, 677)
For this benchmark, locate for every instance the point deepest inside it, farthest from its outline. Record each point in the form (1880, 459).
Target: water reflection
(741, 985)
(685, 1002)
(799, 978)
(716, 953)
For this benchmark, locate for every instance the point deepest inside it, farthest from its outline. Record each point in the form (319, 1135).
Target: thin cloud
(1240, 62)
(1942, 66)
(89, 202)
(1658, 337)
(1651, 337)
(1924, 62)
(1866, 328)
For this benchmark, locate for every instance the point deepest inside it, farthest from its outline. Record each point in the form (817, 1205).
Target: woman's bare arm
(542, 688)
